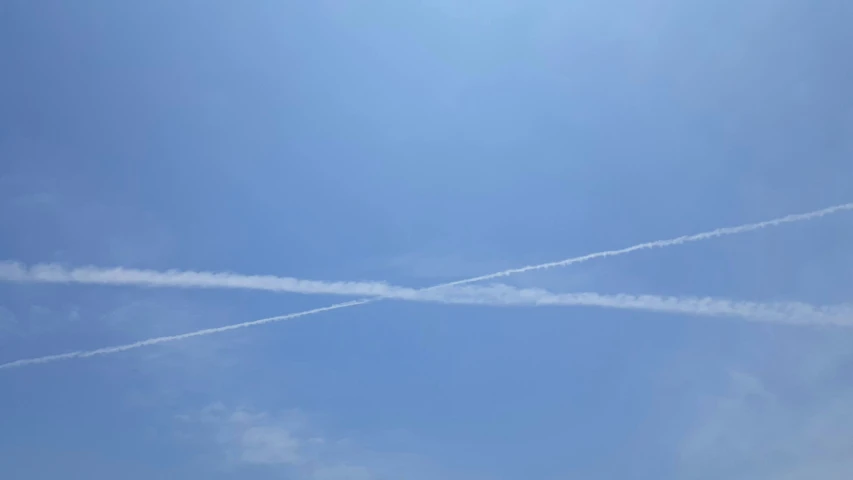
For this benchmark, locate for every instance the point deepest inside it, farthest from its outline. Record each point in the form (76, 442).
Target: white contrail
(52, 273)
(656, 244)
(172, 338)
(502, 295)
(778, 312)
(720, 232)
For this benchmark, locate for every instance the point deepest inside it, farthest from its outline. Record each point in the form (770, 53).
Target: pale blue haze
(419, 142)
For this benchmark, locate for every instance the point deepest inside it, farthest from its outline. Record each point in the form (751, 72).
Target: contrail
(172, 338)
(656, 244)
(52, 273)
(720, 232)
(795, 313)
(502, 295)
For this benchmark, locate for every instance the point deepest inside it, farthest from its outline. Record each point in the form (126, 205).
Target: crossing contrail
(793, 313)
(823, 317)
(53, 273)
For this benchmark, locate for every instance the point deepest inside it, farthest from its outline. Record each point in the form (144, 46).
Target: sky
(417, 143)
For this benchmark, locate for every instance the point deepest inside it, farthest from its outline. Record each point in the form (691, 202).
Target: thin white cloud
(53, 273)
(796, 313)
(250, 438)
(288, 443)
(756, 430)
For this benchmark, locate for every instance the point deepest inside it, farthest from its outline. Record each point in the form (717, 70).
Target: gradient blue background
(419, 142)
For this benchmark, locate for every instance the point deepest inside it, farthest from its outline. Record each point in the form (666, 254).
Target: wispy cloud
(260, 439)
(502, 295)
(757, 432)
(288, 442)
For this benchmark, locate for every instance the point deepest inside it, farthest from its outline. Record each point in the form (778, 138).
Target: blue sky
(417, 143)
